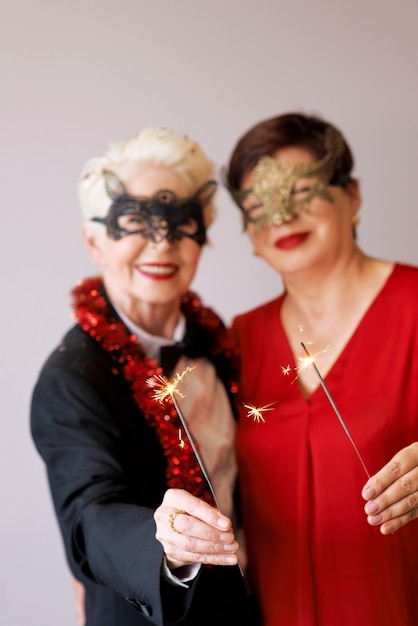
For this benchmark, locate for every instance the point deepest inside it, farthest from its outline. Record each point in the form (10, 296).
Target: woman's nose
(161, 240)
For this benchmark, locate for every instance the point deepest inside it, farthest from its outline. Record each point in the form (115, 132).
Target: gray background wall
(75, 75)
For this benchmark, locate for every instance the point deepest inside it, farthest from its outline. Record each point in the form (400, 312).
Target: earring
(355, 219)
(255, 253)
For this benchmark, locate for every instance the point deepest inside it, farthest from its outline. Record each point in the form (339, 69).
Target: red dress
(314, 559)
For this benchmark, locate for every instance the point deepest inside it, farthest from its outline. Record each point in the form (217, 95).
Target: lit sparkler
(305, 361)
(310, 359)
(164, 389)
(256, 412)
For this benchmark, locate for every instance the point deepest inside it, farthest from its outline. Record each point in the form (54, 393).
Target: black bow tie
(196, 344)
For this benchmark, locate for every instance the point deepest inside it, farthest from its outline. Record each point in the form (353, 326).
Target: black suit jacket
(106, 471)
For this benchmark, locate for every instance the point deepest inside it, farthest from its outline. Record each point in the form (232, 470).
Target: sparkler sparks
(182, 443)
(303, 362)
(163, 388)
(256, 412)
(310, 359)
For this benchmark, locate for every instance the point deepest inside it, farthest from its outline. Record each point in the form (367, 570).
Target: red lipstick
(291, 241)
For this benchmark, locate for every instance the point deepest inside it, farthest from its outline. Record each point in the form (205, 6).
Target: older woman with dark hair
(341, 341)
(144, 499)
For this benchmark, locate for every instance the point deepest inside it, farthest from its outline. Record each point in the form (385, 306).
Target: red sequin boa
(92, 313)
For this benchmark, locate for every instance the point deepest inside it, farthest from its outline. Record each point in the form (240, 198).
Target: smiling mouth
(291, 241)
(157, 270)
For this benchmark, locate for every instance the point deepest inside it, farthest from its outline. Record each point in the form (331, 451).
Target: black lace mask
(162, 216)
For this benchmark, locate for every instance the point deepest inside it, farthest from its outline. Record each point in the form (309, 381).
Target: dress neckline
(329, 374)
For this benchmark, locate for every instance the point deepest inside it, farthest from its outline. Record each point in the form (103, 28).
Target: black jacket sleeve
(106, 472)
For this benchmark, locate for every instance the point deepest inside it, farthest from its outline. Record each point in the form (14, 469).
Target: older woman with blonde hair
(144, 499)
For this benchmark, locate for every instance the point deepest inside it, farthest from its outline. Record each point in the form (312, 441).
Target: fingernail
(371, 508)
(222, 523)
(230, 547)
(232, 560)
(369, 493)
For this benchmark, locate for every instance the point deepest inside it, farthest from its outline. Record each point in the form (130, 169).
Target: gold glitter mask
(281, 191)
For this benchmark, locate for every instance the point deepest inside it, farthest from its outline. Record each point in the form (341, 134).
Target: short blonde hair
(152, 146)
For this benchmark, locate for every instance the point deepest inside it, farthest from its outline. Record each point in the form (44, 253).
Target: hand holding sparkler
(191, 531)
(196, 532)
(392, 493)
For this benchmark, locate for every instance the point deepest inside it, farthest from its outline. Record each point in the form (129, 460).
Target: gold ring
(172, 517)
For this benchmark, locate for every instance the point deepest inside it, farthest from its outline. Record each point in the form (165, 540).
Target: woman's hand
(192, 531)
(392, 493)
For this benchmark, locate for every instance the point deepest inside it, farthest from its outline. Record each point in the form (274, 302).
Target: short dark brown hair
(283, 131)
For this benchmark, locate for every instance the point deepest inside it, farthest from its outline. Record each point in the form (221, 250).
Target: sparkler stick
(334, 406)
(195, 450)
(163, 389)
